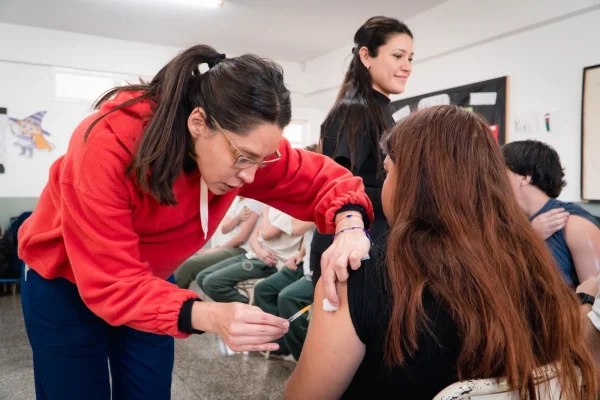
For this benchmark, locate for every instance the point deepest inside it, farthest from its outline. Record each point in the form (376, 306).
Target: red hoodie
(94, 226)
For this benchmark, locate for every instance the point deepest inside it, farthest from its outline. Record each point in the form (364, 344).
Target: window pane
(81, 87)
(294, 132)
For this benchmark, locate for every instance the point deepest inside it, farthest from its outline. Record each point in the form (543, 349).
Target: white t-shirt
(308, 236)
(285, 245)
(234, 210)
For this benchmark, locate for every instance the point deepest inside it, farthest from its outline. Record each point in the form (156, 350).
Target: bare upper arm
(583, 240)
(331, 354)
(247, 226)
(299, 228)
(226, 225)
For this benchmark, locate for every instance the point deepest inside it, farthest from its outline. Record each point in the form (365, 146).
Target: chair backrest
(497, 389)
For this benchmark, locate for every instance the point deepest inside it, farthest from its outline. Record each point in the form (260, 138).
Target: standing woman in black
(380, 66)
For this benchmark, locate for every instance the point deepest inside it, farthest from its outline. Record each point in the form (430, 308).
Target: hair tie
(203, 67)
(216, 59)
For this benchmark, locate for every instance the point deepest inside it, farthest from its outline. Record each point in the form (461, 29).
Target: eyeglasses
(241, 160)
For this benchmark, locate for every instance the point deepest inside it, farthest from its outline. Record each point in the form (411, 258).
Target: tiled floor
(203, 368)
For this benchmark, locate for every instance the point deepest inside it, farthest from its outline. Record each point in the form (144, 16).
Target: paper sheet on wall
(483, 98)
(3, 136)
(528, 124)
(537, 125)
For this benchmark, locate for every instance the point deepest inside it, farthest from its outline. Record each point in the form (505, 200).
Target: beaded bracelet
(348, 216)
(355, 227)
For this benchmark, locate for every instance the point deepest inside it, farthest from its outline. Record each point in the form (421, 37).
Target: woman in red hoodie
(144, 183)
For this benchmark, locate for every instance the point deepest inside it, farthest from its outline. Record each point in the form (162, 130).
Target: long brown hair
(355, 105)
(238, 93)
(458, 232)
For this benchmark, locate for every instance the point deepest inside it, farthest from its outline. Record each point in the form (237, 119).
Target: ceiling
(293, 30)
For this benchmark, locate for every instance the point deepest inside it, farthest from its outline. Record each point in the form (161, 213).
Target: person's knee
(200, 278)
(261, 290)
(183, 279)
(210, 285)
(286, 301)
(285, 296)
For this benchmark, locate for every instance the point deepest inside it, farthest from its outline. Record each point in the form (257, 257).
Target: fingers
(255, 315)
(328, 277)
(269, 332)
(245, 340)
(354, 259)
(325, 257)
(262, 347)
(290, 264)
(553, 212)
(561, 218)
(341, 269)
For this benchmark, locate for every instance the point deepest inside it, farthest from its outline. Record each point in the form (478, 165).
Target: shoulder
(577, 210)
(579, 229)
(96, 164)
(368, 298)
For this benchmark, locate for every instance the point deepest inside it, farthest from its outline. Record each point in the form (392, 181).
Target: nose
(247, 174)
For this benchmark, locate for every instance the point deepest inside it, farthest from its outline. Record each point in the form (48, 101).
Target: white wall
(28, 89)
(73, 50)
(313, 117)
(27, 64)
(542, 46)
(545, 66)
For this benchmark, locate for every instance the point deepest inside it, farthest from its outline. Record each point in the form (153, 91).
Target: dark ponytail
(239, 93)
(355, 105)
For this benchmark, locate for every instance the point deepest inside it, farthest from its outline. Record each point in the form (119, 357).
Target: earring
(368, 66)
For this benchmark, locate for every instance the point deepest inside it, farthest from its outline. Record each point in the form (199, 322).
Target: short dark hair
(539, 161)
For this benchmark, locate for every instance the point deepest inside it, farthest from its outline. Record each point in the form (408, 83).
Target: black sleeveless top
(423, 376)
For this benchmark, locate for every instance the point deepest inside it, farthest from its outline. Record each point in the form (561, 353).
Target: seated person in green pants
(286, 292)
(236, 229)
(276, 240)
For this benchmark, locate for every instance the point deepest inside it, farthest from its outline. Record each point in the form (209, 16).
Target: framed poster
(590, 134)
(487, 98)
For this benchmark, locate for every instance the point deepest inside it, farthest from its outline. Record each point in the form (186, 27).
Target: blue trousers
(73, 349)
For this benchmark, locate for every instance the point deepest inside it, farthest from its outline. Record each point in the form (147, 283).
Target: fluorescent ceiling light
(200, 3)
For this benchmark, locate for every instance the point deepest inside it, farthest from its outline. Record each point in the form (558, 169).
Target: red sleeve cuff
(168, 313)
(326, 220)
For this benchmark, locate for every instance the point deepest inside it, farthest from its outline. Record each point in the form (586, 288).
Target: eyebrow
(404, 51)
(248, 153)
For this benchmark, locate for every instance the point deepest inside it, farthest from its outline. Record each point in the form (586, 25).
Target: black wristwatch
(585, 298)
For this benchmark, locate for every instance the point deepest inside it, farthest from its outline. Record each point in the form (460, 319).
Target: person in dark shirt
(466, 289)
(537, 179)
(350, 134)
